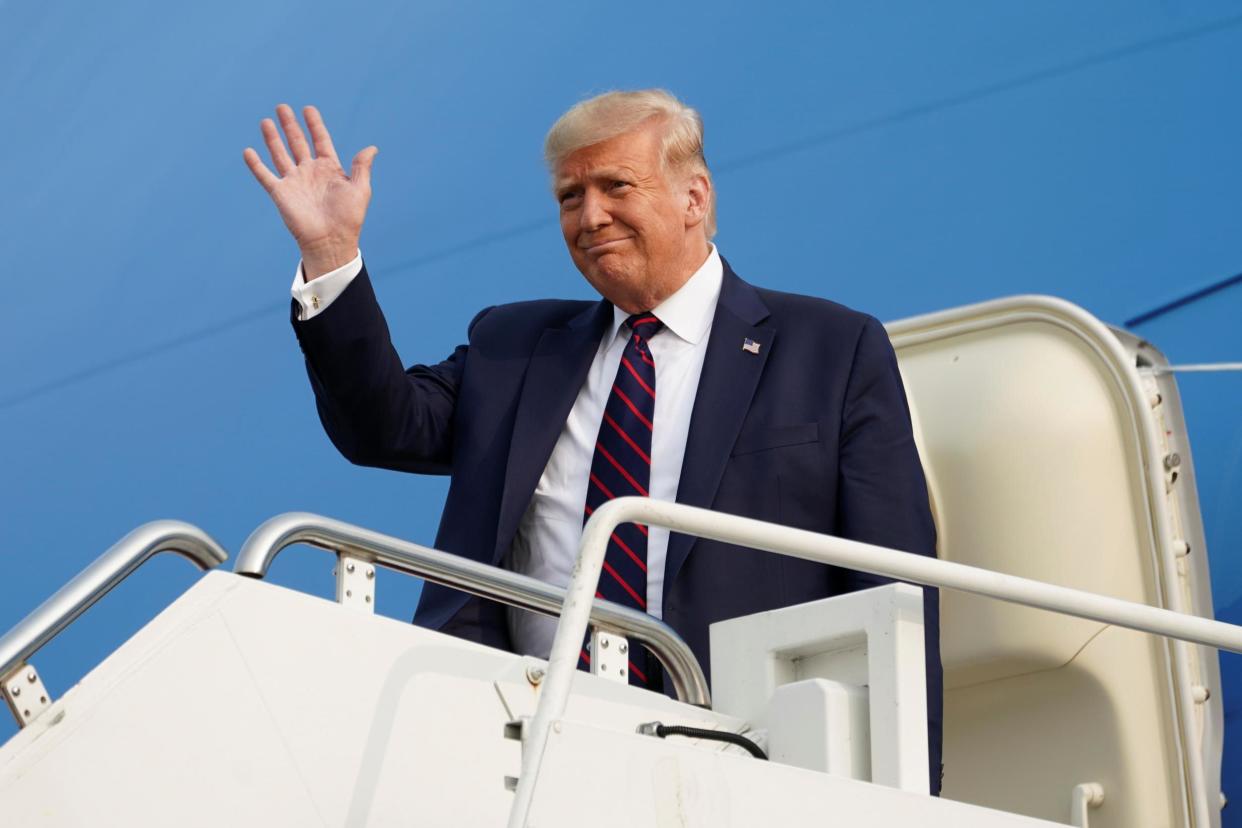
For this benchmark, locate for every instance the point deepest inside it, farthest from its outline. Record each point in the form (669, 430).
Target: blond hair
(616, 113)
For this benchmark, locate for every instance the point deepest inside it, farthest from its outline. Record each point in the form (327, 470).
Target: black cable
(1181, 301)
(663, 730)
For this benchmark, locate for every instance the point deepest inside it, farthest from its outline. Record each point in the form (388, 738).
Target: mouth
(597, 248)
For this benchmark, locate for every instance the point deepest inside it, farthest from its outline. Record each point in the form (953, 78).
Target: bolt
(604, 643)
(1172, 461)
(535, 675)
(15, 690)
(349, 567)
(31, 677)
(370, 572)
(624, 648)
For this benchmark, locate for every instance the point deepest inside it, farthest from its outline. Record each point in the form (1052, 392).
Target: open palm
(322, 206)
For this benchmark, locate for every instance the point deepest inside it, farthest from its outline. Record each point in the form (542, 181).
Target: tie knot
(646, 325)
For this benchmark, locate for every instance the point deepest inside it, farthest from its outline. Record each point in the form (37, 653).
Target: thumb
(360, 170)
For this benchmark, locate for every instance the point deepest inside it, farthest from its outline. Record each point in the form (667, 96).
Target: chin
(613, 282)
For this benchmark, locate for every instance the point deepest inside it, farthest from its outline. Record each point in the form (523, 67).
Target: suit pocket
(761, 439)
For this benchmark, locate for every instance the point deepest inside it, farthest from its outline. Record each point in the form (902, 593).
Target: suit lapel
(557, 369)
(726, 387)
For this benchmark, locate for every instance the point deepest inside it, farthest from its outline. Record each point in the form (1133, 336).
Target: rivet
(370, 572)
(556, 726)
(1172, 461)
(30, 677)
(349, 567)
(349, 593)
(534, 675)
(42, 699)
(604, 643)
(624, 647)
(16, 690)
(368, 599)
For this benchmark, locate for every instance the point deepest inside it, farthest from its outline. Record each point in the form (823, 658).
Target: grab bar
(514, 589)
(94, 582)
(827, 549)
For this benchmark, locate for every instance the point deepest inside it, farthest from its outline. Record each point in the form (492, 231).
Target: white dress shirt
(546, 543)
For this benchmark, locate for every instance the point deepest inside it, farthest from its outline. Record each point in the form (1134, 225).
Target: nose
(594, 214)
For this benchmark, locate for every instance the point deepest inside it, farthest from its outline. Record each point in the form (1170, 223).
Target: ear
(698, 198)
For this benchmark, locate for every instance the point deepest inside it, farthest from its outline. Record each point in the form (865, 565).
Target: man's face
(630, 227)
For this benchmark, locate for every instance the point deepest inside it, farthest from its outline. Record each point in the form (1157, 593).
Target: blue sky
(898, 157)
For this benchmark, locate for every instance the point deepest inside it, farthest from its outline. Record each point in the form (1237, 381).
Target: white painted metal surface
(1056, 450)
(825, 549)
(819, 725)
(872, 638)
(668, 784)
(227, 710)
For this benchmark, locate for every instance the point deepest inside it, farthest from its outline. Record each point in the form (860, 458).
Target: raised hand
(322, 207)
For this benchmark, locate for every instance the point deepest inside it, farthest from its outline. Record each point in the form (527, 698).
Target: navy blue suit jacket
(813, 432)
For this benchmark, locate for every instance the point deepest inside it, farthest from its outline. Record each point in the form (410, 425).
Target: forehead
(637, 151)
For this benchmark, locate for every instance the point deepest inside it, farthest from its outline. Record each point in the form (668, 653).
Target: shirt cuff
(314, 298)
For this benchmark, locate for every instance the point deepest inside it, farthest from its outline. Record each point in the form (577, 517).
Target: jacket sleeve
(376, 412)
(882, 494)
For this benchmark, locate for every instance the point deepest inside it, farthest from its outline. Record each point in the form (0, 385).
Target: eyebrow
(608, 174)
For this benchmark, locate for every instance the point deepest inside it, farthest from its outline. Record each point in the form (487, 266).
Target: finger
(275, 146)
(319, 134)
(265, 176)
(360, 171)
(293, 133)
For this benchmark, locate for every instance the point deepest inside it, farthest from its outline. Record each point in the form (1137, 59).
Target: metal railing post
(275, 534)
(91, 584)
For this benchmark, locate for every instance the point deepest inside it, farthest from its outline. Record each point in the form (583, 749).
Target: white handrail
(810, 546)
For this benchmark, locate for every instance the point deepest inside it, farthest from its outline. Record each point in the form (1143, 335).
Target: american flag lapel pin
(750, 346)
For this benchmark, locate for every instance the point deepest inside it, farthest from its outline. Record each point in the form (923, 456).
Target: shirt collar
(688, 312)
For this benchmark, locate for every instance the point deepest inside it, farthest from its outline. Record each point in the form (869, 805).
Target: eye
(567, 197)
(618, 185)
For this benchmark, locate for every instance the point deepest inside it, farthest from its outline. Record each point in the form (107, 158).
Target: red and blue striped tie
(622, 466)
